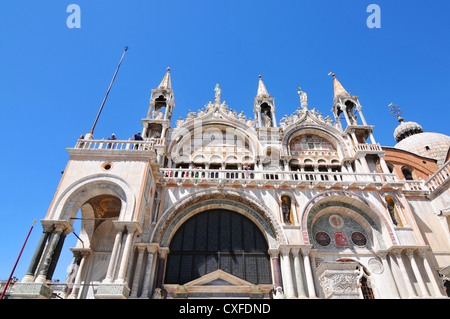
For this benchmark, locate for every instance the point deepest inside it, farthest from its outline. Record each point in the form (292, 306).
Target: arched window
(407, 174)
(350, 108)
(266, 115)
(390, 167)
(218, 239)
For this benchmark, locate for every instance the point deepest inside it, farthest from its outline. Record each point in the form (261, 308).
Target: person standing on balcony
(137, 137)
(112, 137)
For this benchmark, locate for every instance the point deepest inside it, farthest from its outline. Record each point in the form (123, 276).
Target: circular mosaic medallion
(336, 221)
(322, 238)
(359, 239)
(376, 266)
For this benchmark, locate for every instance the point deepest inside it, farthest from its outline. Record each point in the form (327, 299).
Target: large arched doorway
(222, 240)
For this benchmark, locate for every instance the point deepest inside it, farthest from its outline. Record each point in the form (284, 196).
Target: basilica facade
(218, 205)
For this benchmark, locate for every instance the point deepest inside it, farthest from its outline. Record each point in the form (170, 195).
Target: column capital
(295, 251)
(140, 247)
(285, 250)
(273, 252)
(152, 248)
(410, 252)
(163, 252)
(397, 251)
(382, 254)
(81, 252)
(61, 226)
(305, 250)
(131, 226)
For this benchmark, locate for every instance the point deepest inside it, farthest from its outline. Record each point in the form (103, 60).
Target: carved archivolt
(78, 193)
(174, 216)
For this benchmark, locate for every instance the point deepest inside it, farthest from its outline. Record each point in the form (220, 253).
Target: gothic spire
(338, 88)
(166, 83)
(262, 91)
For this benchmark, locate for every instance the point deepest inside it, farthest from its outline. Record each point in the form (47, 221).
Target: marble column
(83, 253)
(361, 116)
(47, 259)
(138, 271)
(114, 253)
(430, 273)
(412, 260)
(407, 282)
(56, 255)
(308, 272)
(163, 252)
(345, 115)
(298, 272)
(278, 283)
(29, 276)
(149, 271)
(286, 271)
(383, 165)
(388, 271)
(130, 230)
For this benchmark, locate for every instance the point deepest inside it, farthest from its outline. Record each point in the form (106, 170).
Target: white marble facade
(308, 185)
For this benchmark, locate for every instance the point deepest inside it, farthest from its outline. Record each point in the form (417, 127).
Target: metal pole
(107, 92)
(7, 284)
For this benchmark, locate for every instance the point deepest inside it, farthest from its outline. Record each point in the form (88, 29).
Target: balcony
(243, 178)
(124, 148)
(367, 148)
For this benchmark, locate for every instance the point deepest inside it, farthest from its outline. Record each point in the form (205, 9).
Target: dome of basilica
(410, 137)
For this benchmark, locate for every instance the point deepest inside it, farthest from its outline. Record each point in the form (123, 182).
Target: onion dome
(406, 129)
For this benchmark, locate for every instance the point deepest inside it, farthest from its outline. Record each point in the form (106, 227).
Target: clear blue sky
(53, 78)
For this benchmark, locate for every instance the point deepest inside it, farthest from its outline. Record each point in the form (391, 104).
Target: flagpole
(9, 279)
(107, 92)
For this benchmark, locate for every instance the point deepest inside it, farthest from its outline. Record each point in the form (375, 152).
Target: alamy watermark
(74, 19)
(374, 19)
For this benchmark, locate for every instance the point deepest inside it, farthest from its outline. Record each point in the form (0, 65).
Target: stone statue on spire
(217, 90)
(303, 98)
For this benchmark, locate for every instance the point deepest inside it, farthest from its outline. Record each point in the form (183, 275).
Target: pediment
(218, 284)
(218, 278)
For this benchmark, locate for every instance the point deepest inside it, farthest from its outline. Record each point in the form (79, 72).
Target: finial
(168, 68)
(260, 75)
(396, 111)
(331, 73)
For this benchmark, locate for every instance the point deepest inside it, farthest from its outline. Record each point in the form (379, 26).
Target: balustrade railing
(314, 177)
(146, 145)
(367, 147)
(439, 177)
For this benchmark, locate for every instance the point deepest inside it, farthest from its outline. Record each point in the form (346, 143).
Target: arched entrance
(218, 239)
(218, 253)
(218, 283)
